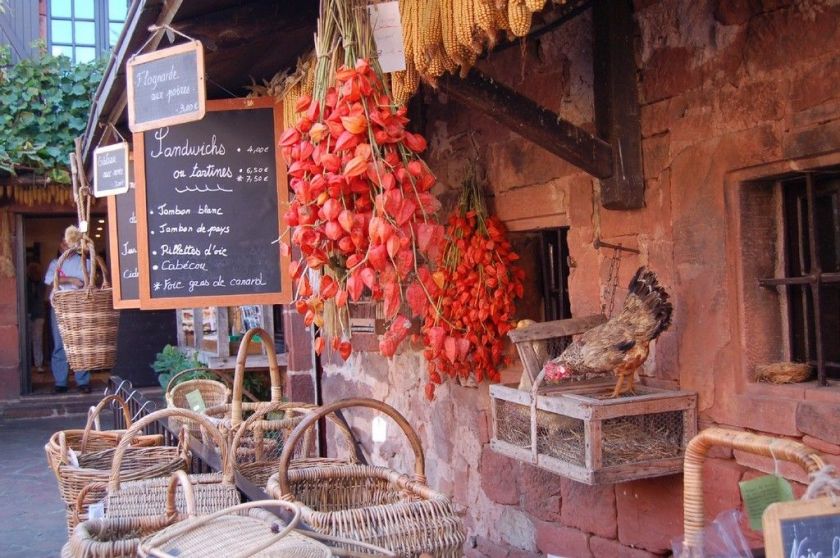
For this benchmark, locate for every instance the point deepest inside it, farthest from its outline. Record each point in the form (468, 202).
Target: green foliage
(171, 360)
(45, 104)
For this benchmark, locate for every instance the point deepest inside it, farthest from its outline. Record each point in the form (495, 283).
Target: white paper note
(387, 34)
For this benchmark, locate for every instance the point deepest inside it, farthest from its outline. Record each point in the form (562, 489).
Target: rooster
(621, 344)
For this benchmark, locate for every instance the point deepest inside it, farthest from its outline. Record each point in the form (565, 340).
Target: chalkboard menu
(209, 199)
(110, 170)
(122, 223)
(166, 87)
(803, 529)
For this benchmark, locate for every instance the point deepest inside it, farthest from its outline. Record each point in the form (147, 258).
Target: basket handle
(239, 373)
(98, 409)
(89, 279)
(695, 453)
(151, 418)
(171, 511)
(303, 408)
(310, 420)
(171, 383)
(80, 498)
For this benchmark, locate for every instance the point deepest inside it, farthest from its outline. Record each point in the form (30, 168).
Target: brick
(821, 445)
(589, 508)
(815, 86)
(540, 492)
(819, 420)
(553, 538)
(733, 12)
(669, 72)
(751, 104)
(788, 470)
(516, 529)
(772, 415)
(483, 428)
(655, 151)
(650, 512)
(720, 486)
(608, 548)
(497, 477)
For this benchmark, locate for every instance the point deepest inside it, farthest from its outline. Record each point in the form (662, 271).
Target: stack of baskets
(120, 538)
(375, 505)
(78, 457)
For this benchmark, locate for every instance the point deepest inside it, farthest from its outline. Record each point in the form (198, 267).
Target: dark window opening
(545, 260)
(811, 278)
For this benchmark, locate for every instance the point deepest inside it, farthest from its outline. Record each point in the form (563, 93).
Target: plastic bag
(721, 539)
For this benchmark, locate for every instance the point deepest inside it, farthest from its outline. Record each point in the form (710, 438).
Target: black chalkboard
(166, 87)
(110, 170)
(209, 195)
(803, 529)
(122, 223)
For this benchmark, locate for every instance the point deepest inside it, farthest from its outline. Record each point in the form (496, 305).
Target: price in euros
(257, 149)
(257, 170)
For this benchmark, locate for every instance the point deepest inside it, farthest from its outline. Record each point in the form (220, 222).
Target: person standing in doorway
(36, 312)
(70, 277)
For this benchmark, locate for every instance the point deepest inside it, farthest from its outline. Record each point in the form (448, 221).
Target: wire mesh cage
(577, 430)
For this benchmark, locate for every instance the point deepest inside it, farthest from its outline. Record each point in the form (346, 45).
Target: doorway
(38, 241)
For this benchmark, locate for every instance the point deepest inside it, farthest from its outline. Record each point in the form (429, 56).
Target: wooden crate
(582, 435)
(575, 430)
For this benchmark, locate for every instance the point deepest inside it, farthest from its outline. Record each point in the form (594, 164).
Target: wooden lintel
(617, 102)
(533, 122)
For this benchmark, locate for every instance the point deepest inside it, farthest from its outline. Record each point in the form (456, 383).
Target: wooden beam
(617, 102)
(533, 122)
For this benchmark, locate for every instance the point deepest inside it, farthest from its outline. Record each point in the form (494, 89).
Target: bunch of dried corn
(441, 36)
(50, 194)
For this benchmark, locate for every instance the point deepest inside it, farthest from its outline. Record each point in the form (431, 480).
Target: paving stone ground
(32, 521)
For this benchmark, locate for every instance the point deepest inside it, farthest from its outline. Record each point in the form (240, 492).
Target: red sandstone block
(299, 387)
(483, 428)
(819, 420)
(720, 486)
(669, 72)
(498, 474)
(556, 539)
(771, 414)
(733, 12)
(589, 508)
(766, 465)
(650, 512)
(821, 445)
(540, 491)
(607, 548)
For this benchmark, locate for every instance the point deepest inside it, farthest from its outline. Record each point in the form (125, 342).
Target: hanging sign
(166, 87)
(110, 170)
(803, 529)
(122, 230)
(209, 198)
(387, 35)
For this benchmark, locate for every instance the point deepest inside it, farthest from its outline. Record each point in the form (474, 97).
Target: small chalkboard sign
(110, 170)
(166, 87)
(803, 529)
(122, 230)
(210, 195)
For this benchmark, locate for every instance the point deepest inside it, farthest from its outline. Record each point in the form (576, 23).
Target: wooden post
(617, 103)
(533, 122)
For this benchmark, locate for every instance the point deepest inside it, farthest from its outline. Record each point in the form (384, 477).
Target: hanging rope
(83, 199)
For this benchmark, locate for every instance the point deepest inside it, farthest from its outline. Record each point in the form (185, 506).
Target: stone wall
(728, 89)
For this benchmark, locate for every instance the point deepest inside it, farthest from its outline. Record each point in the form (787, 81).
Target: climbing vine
(45, 103)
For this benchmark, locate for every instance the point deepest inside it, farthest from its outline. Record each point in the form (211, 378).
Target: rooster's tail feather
(654, 297)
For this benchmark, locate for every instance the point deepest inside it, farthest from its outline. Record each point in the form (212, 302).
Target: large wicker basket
(86, 317)
(141, 497)
(120, 538)
(375, 505)
(695, 454)
(88, 440)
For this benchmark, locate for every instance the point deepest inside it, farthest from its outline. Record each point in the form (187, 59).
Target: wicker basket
(139, 498)
(120, 538)
(375, 505)
(213, 393)
(245, 531)
(74, 472)
(695, 453)
(88, 440)
(231, 415)
(259, 442)
(86, 318)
